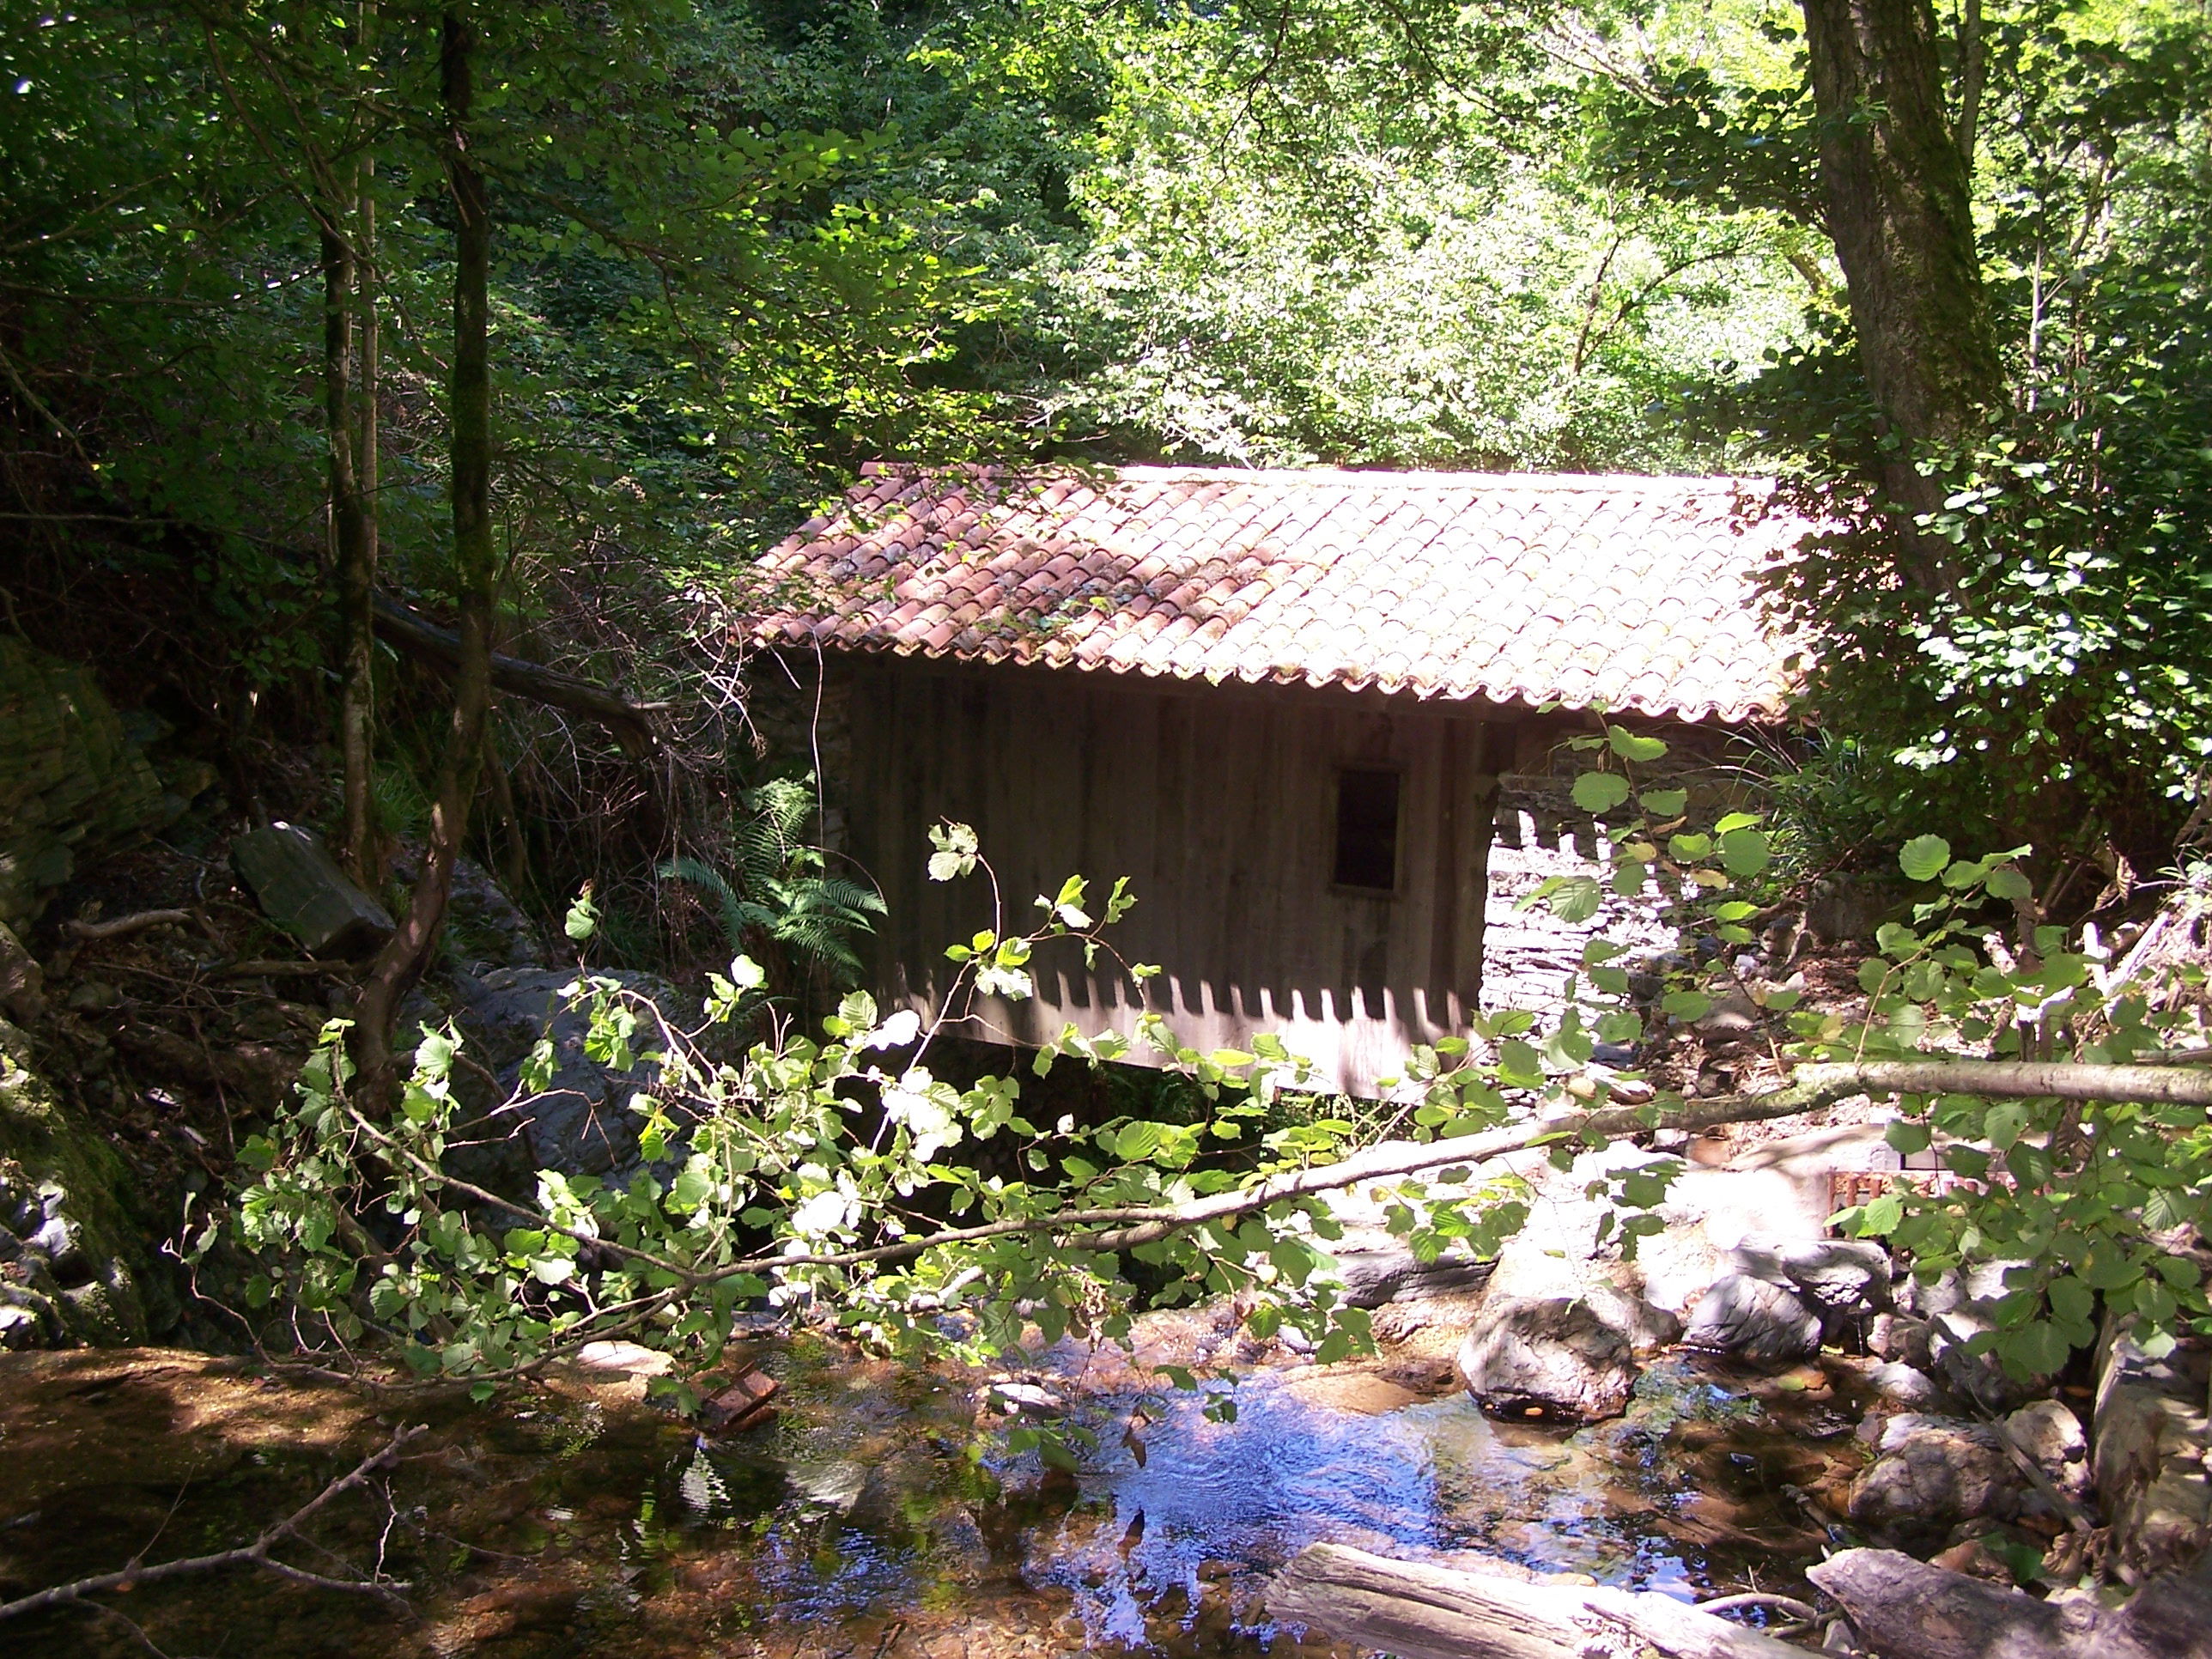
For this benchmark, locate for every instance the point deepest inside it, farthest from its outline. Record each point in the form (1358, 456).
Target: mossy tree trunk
(1895, 177)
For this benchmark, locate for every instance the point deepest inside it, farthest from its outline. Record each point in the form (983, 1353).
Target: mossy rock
(74, 1266)
(74, 785)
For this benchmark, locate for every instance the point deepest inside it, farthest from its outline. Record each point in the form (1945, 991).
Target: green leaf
(1135, 1141)
(1664, 802)
(1907, 1136)
(1923, 858)
(1631, 746)
(1599, 792)
(1744, 853)
(2070, 1299)
(2106, 1266)
(1686, 1005)
(2007, 882)
(1882, 1216)
(2036, 1349)
(1574, 899)
(583, 918)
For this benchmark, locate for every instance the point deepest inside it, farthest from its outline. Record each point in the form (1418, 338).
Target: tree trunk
(1422, 1612)
(349, 357)
(400, 964)
(1895, 184)
(364, 846)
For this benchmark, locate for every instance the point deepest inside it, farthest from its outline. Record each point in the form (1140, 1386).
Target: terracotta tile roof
(1627, 592)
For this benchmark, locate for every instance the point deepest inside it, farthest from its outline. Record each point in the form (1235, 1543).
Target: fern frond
(700, 873)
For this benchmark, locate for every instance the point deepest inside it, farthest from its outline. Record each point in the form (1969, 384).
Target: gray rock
(1903, 1385)
(1733, 1015)
(1024, 1398)
(2049, 1434)
(1834, 1275)
(485, 925)
(1934, 1472)
(1755, 1320)
(1374, 1276)
(20, 1324)
(78, 1270)
(301, 888)
(74, 784)
(22, 982)
(2152, 1468)
(1900, 1338)
(1923, 1298)
(1555, 1357)
(581, 1122)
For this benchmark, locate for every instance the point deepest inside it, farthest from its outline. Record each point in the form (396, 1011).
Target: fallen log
(1420, 1612)
(423, 638)
(1902, 1609)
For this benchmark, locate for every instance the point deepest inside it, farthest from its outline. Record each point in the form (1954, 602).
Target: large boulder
(580, 1123)
(75, 784)
(1841, 1280)
(1755, 1320)
(1565, 1318)
(1839, 1286)
(1553, 1356)
(1930, 1472)
(1375, 1272)
(1960, 1310)
(2152, 1469)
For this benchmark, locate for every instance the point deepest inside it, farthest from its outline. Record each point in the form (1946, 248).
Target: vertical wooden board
(1222, 810)
(1478, 829)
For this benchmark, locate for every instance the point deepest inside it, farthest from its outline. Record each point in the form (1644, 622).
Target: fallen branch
(1902, 1609)
(256, 968)
(1104, 1230)
(256, 1554)
(2019, 1079)
(1421, 1612)
(123, 927)
(417, 635)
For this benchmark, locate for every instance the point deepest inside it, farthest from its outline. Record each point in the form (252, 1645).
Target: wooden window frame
(1339, 773)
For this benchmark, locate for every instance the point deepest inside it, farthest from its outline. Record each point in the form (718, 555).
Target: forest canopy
(1943, 270)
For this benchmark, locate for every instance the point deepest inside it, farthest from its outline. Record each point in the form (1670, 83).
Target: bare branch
(630, 722)
(123, 926)
(256, 1554)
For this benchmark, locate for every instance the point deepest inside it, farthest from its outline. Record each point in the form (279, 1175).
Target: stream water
(879, 1516)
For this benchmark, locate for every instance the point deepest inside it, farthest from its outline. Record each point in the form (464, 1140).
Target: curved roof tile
(1620, 591)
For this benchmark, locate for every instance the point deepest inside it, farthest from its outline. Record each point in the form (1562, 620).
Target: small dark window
(1367, 830)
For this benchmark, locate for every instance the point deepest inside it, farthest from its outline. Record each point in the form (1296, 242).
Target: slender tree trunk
(350, 345)
(1895, 184)
(400, 965)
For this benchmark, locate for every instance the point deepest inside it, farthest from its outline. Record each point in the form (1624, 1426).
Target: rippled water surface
(881, 1517)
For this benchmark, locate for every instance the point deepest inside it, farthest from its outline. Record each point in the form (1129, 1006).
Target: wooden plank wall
(1219, 803)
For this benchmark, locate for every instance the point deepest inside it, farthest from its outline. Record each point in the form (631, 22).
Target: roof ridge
(1374, 477)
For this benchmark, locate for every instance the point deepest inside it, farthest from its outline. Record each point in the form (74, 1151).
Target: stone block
(301, 888)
